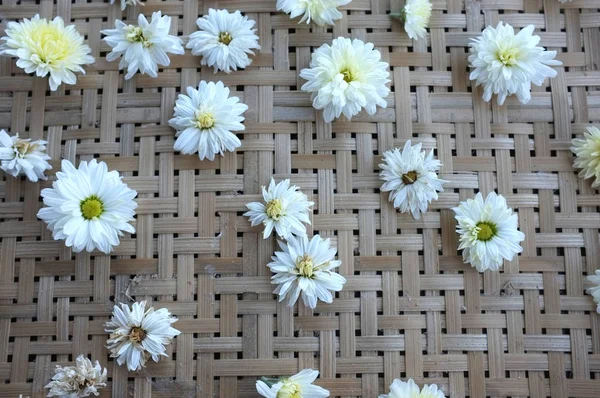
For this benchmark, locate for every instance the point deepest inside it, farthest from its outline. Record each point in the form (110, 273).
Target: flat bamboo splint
(410, 307)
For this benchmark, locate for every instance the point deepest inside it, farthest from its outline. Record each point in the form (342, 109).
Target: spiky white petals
(77, 381)
(416, 14)
(306, 267)
(224, 40)
(138, 334)
(488, 231)
(285, 209)
(587, 152)
(410, 176)
(47, 47)
(296, 386)
(321, 12)
(144, 46)
(594, 291)
(125, 3)
(88, 207)
(204, 120)
(345, 78)
(505, 63)
(23, 157)
(402, 389)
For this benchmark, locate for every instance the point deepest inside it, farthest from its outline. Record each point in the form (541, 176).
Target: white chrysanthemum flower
(81, 380)
(143, 47)
(138, 334)
(224, 40)
(88, 207)
(306, 267)
(595, 290)
(321, 12)
(506, 64)
(23, 157)
(346, 77)
(285, 209)
(205, 118)
(125, 3)
(296, 386)
(47, 47)
(411, 177)
(415, 15)
(402, 389)
(488, 231)
(587, 152)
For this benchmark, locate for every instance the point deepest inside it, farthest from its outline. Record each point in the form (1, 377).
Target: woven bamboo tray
(410, 307)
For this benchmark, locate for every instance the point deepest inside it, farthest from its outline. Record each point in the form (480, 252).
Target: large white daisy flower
(125, 3)
(23, 157)
(296, 386)
(88, 207)
(205, 118)
(506, 64)
(411, 177)
(345, 77)
(402, 389)
(587, 152)
(321, 12)
(47, 47)
(306, 267)
(224, 40)
(138, 334)
(595, 290)
(143, 47)
(285, 209)
(488, 231)
(415, 15)
(81, 380)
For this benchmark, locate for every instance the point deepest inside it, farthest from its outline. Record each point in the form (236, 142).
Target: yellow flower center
(225, 38)
(204, 119)
(24, 147)
(290, 389)
(50, 45)
(137, 334)
(410, 177)
(135, 34)
(486, 231)
(508, 56)
(349, 75)
(275, 209)
(305, 266)
(91, 207)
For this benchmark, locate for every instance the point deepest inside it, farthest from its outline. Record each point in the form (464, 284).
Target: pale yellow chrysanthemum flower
(587, 151)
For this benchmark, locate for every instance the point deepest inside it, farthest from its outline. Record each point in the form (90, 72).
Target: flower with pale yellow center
(296, 386)
(47, 48)
(21, 156)
(409, 389)
(587, 155)
(415, 15)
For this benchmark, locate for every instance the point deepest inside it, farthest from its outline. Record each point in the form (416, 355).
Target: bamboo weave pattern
(410, 307)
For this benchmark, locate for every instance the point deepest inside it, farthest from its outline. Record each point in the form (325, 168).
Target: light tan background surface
(410, 307)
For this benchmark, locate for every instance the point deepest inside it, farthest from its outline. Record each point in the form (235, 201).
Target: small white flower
(137, 334)
(401, 389)
(296, 386)
(23, 157)
(415, 15)
(143, 47)
(125, 3)
(488, 231)
(88, 207)
(205, 118)
(506, 64)
(321, 12)
(595, 290)
(410, 176)
(285, 209)
(345, 77)
(47, 47)
(80, 380)
(224, 40)
(587, 152)
(306, 267)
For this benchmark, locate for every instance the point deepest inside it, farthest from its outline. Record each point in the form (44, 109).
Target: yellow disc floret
(486, 231)
(290, 389)
(275, 209)
(305, 266)
(91, 207)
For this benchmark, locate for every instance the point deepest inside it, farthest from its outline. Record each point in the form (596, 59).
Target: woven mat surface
(410, 307)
